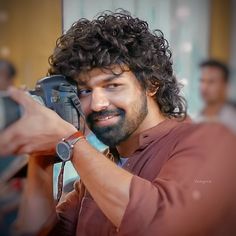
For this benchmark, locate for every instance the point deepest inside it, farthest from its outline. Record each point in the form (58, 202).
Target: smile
(106, 120)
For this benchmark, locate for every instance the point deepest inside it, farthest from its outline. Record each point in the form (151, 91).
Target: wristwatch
(64, 148)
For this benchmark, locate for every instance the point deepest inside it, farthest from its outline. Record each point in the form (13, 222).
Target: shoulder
(205, 130)
(178, 133)
(173, 134)
(204, 141)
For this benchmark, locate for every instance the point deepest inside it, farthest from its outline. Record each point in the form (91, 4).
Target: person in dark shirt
(160, 176)
(10, 189)
(7, 74)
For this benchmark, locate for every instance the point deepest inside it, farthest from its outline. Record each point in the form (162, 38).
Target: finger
(11, 148)
(19, 96)
(24, 149)
(24, 87)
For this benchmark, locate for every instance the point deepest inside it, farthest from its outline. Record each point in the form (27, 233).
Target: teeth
(105, 118)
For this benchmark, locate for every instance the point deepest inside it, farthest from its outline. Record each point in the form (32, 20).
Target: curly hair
(116, 38)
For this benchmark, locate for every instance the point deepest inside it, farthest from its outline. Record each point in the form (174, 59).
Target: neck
(153, 118)
(213, 109)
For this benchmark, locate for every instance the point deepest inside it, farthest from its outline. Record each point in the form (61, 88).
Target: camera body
(55, 92)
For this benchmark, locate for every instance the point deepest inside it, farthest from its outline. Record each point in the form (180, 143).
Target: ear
(151, 92)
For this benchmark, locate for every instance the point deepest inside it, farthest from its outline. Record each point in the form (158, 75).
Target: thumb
(19, 96)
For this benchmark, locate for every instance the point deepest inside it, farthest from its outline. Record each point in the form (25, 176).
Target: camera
(56, 92)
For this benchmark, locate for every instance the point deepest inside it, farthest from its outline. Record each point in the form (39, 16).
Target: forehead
(98, 76)
(212, 73)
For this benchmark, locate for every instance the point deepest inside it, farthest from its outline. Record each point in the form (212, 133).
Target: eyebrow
(110, 78)
(104, 80)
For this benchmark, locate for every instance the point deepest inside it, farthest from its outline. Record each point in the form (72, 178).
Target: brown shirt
(184, 184)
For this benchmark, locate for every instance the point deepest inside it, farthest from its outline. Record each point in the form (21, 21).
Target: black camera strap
(76, 102)
(60, 181)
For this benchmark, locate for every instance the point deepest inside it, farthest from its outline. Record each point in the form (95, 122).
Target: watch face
(63, 151)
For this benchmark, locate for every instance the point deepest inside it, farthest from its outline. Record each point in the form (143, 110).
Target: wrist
(66, 131)
(64, 148)
(81, 145)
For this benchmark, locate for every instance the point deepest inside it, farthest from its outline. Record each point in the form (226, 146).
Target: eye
(84, 92)
(112, 86)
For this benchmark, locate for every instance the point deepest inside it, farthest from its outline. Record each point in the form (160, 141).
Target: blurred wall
(220, 30)
(233, 51)
(28, 31)
(223, 37)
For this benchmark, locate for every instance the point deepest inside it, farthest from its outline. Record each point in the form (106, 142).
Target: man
(7, 74)
(213, 88)
(162, 178)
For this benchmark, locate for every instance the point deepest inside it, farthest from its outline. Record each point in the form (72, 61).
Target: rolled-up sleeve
(68, 213)
(194, 194)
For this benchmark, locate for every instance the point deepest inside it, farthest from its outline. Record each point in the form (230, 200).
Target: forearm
(37, 203)
(108, 184)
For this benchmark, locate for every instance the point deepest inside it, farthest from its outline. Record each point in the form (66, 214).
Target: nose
(99, 101)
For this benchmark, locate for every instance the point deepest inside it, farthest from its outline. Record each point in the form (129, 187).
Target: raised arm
(37, 204)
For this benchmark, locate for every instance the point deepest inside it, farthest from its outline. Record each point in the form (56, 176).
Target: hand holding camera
(39, 129)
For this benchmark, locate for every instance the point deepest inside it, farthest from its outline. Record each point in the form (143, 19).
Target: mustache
(98, 115)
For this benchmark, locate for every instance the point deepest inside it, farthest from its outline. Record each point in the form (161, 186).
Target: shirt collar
(146, 137)
(154, 133)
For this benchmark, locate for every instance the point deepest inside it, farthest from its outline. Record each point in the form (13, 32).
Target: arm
(188, 187)
(108, 184)
(194, 194)
(38, 132)
(38, 211)
(37, 203)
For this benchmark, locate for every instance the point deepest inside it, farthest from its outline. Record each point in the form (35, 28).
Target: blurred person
(7, 74)
(7, 77)
(214, 82)
(10, 184)
(160, 176)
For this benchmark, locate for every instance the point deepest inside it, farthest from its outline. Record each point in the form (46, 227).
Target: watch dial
(63, 151)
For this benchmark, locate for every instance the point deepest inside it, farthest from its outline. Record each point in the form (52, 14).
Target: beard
(112, 135)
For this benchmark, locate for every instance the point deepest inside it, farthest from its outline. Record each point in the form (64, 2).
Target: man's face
(213, 88)
(114, 106)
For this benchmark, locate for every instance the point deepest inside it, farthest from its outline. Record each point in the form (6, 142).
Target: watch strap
(71, 140)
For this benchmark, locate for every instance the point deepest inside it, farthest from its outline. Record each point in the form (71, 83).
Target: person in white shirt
(214, 84)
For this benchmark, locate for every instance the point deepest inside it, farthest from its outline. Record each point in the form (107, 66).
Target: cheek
(131, 102)
(203, 87)
(214, 90)
(85, 105)
(122, 101)
(206, 89)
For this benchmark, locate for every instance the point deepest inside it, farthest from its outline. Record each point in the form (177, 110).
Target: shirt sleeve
(193, 194)
(68, 212)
